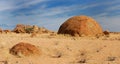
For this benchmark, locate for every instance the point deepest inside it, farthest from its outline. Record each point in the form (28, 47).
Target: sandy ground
(61, 49)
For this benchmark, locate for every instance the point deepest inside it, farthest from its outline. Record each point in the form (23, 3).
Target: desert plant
(82, 61)
(4, 62)
(29, 30)
(33, 35)
(111, 58)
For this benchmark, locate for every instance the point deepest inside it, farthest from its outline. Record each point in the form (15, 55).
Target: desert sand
(63, 49)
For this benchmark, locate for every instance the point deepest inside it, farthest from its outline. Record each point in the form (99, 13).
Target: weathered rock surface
(79, 26)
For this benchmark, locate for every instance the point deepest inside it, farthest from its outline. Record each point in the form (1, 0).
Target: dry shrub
(24, 49)
(106, 33)
(4, 62)
(33, 35)
(111, 58)
(1, 30)
(6, 31)
(54, 53)
(53, 34)
(81, 56)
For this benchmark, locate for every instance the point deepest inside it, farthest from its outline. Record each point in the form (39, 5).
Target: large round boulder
(79, 26)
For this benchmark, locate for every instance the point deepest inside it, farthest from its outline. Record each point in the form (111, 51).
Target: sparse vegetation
(55, 53)
(82, 61)
(3, 62)
(33, 35)
(111, 58)
(29, 30)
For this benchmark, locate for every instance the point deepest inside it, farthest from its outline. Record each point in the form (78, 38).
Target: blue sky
(52, 13)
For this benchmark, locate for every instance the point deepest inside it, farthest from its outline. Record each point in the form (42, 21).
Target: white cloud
(113, 8)
(60, 10)
(110, 23)
(6, 5)
(101, 15)
(69, 9)
(31, 2)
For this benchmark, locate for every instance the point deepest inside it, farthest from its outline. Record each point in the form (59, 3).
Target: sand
(60, 49)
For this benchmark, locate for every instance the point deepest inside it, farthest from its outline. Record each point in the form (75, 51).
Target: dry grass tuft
(111, 58)
(3, 62)
(33, 35)
(54, 53)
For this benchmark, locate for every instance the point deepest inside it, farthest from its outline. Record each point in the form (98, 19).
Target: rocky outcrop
(20, 28)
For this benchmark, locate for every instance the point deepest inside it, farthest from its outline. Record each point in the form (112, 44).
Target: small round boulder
(24, 49)
(79, 26)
